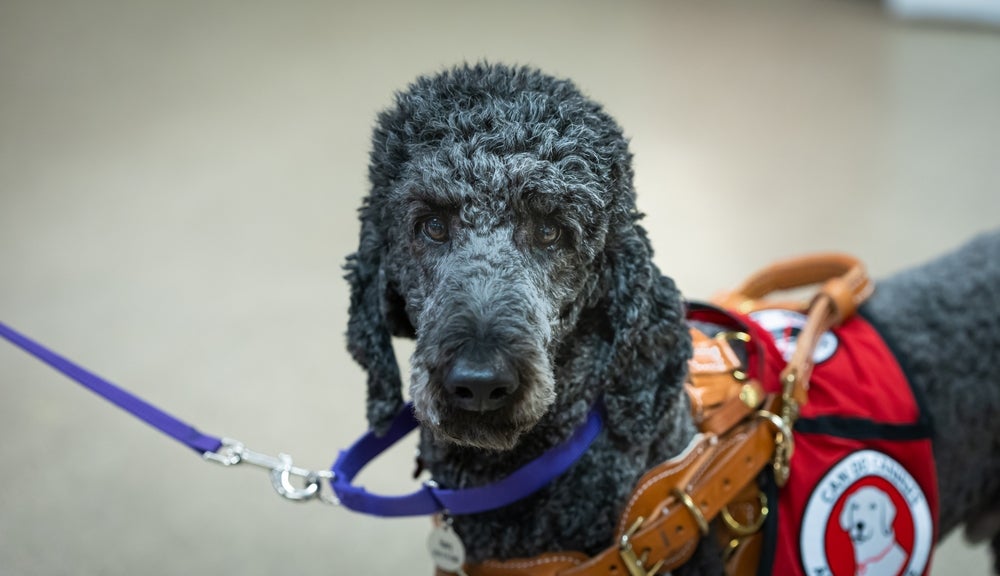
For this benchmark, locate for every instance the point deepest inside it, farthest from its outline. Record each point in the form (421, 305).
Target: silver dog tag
(446, 549)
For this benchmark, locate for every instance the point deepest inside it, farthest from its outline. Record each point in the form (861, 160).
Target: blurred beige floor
(178, 185)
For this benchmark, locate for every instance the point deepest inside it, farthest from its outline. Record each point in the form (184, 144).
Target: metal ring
(746, 529)
(784, 446)
(737, 373)
(693, 508)
(784, 434)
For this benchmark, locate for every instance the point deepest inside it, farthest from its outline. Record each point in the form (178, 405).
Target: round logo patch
(866, 517)
(785, 325)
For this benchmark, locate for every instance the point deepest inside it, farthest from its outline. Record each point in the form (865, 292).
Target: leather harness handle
(844, 281)
(844, 286)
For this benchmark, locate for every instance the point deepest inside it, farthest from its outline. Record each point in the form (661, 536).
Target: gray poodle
(501, 233)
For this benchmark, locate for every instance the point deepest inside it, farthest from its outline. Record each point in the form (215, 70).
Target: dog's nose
(479, 385)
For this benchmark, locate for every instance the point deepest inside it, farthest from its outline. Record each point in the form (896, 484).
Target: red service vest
(862, 496)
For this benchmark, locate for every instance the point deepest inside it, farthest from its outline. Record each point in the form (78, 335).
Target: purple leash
(173, 427)
(429, 499)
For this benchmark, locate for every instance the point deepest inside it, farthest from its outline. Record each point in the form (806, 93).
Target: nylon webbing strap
(169, 425)
(430, 499)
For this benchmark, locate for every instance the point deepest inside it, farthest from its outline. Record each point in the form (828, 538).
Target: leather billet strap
(668, 512)
(719, 387)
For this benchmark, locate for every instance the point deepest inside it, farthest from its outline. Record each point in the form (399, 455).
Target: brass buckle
(746, 529)
(726, 336)
(636, 565)
(734, 335)
(688, 503)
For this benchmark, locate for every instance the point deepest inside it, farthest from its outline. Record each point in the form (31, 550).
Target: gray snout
(478, 383)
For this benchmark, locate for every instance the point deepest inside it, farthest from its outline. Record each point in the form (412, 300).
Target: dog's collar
(431, 499)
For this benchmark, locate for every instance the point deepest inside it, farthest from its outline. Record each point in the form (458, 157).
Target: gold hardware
(725, 336)
(634, 564)
(750, 396)
(746, 529)
(784, 433)
(789, 406)
(784, 446)
(693, 508)
(734, 335)
(789, 414)
(734, 543)
(781, 465)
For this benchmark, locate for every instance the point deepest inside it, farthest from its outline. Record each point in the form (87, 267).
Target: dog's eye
(435, 229)
(547, 234)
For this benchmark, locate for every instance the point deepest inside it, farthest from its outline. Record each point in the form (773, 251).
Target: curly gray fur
(473, 172)
(943, 319)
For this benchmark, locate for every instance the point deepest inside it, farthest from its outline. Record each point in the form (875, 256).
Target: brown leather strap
(652, 490)
(549, 564)
(745, 557)
(673, 533)
(710, 371)
(739, 534)
(655, 485)
(719, 389)
(745, 402)
(852, 281)
(708, 474)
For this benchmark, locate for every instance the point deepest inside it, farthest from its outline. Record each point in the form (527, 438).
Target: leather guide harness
(713, 483)
(742, 431)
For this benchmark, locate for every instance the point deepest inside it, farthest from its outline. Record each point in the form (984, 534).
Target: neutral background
(178, 186)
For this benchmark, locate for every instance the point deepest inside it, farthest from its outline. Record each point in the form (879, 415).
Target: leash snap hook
(281, 480)
(233, 452)
(230, 453)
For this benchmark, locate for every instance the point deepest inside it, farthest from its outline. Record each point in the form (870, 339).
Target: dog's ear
(376, 313)
(887, 513)
(846, 516)
(650, 340)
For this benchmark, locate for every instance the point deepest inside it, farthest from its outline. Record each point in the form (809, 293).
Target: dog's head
(867, 518)
(501, 211)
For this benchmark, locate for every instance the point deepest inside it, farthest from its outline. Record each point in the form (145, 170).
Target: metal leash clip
(234, 452)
